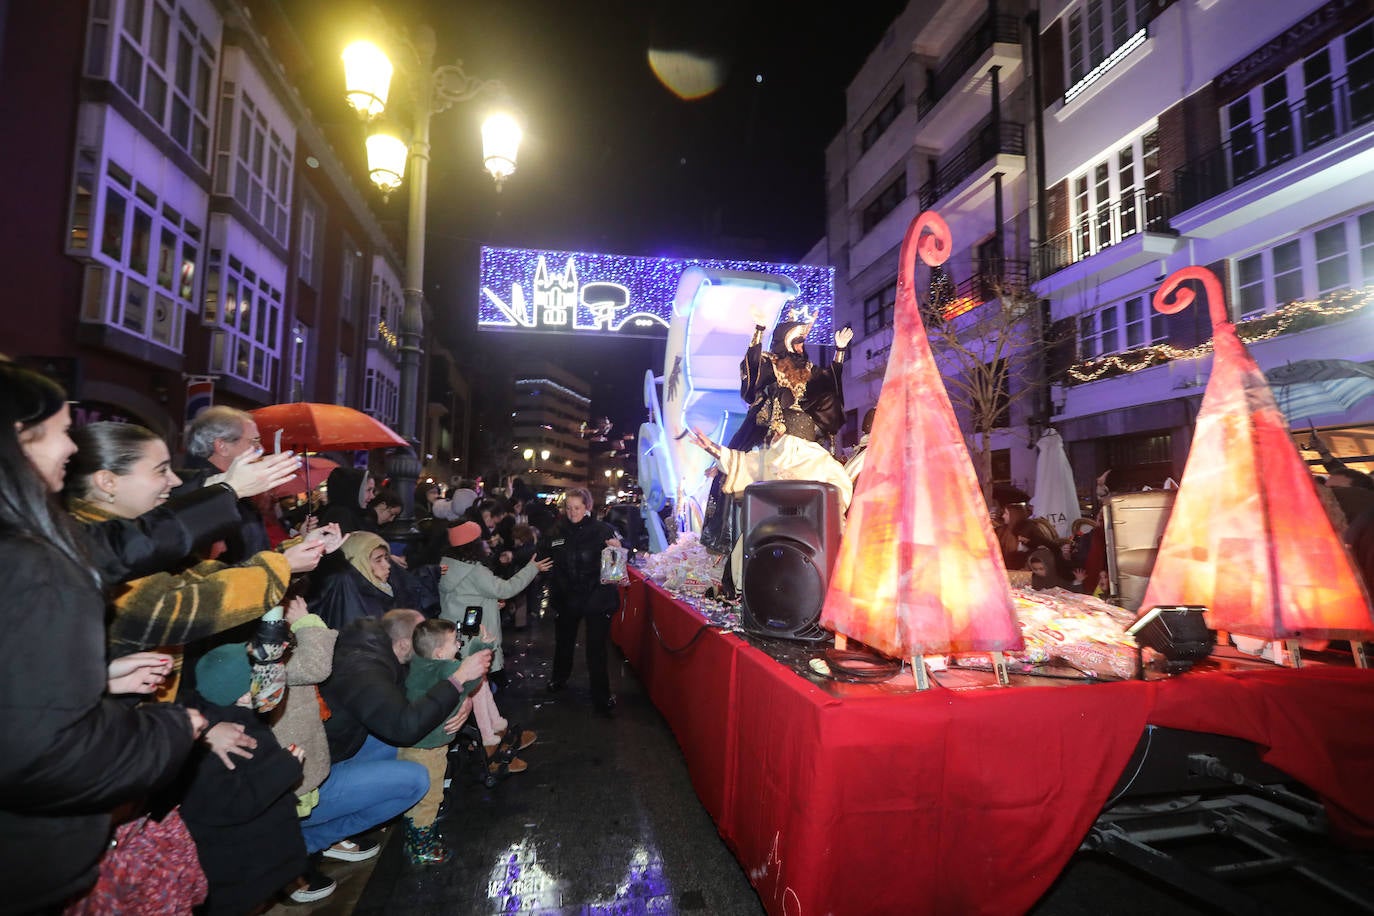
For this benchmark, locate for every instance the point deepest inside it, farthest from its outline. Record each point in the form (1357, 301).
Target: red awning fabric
(919, 571)
(1248, 538)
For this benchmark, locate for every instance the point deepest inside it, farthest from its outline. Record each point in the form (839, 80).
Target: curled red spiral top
(1173, 296)
(931, 236)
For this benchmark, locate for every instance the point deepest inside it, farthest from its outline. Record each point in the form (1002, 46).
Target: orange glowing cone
(919, 571)
(1248, 538)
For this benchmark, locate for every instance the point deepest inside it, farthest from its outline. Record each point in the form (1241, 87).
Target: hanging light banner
(572, 292)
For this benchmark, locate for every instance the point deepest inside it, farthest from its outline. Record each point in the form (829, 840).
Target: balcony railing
(991, 278)
(989, 141)
(1324, 113)
(998, 28)
(1103, 227)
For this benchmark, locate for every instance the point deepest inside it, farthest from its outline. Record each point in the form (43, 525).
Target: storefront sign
(576, 292)
(1288, 46)
(87, 412)
(200, 394)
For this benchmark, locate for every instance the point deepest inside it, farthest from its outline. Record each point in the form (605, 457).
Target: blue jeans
(367, 789)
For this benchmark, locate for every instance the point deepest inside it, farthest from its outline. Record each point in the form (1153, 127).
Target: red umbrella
(322, 428)
(315, 468)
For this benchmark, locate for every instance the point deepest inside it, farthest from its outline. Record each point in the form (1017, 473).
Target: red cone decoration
(919, 571)
(1248, 538)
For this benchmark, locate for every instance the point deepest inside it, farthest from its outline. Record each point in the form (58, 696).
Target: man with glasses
(214, 439)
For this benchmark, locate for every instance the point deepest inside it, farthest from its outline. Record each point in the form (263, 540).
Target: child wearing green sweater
(437, 645)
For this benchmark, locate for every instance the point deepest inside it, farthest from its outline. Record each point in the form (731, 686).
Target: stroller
(467, 755)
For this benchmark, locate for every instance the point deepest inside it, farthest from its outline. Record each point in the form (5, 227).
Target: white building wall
(1192, 43)
(1187, 46)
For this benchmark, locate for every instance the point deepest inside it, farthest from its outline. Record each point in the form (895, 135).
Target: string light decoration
(1298, 315)
(386, 335)
(511, 281)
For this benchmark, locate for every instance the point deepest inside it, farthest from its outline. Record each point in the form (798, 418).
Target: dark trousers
(565, 641)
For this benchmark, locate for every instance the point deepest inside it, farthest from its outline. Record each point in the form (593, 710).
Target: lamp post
(368, 73)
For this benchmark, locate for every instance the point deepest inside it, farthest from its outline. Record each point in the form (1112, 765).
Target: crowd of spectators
(208, 689)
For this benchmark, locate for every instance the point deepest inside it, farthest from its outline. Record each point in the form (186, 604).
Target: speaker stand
(918, 668)
(999, 666)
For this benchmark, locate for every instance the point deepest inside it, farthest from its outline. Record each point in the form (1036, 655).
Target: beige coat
(297, 720)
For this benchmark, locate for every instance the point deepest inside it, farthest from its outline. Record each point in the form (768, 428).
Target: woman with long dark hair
(123, 470)
(69, 753)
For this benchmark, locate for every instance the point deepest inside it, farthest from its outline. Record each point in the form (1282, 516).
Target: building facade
(1232, 135)
(550, 409)
(939, 118)
(187, 222)
(1083, 150)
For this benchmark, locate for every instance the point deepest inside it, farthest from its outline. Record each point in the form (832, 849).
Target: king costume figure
(795, 409)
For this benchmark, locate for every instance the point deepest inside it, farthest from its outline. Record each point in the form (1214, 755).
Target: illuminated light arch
(919, 571)
(1248, 538)
(599, 293)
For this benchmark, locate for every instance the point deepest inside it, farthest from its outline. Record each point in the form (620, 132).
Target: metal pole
(404, 467)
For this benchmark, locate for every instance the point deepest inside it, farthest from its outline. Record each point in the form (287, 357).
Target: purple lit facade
(579, 292)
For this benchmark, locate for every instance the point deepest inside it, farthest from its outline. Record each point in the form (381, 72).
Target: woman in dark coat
(362, 580)
(356, 586)
(350, 490)
(69, 752)
(577, 594)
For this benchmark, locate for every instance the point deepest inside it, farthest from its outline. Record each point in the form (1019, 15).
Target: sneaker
(316, 885)
(353, 850)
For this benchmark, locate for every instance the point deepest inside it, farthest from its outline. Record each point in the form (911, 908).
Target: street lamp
(367, 74)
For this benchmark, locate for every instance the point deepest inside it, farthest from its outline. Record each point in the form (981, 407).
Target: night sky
(612, 160)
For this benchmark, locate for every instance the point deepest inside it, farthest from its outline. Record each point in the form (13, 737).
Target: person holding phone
(370, 717)
(437, 645)
(577, 593)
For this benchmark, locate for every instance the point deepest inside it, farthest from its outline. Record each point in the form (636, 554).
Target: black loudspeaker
(1178, 632)
(791, 536)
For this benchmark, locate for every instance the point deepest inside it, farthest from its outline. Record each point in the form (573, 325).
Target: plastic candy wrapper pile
(1063, 627)
(723, 615)
(686, 567)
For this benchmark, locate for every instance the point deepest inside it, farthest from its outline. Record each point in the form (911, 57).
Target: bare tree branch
(992, 358)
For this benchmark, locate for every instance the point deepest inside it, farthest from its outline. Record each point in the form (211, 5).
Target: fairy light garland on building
(386, 335)
(1307, 313)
